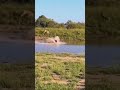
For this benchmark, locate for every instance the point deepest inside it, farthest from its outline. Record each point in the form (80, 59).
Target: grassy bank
(107, 78)
(17, 76)
(59, 71)
(16, 19)
(12, 14)
(102, 25)
(77, 35)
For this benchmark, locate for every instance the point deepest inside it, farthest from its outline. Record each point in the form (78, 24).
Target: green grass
(12, 14)
(16, 76)
(102, 70)
(12, 23)
(102, 24)
(77, 35)
(99, 78)
(102, 84)
(58, 71)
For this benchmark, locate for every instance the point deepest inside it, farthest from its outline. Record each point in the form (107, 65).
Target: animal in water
(57, 39)
(50, 40)
(54, 40)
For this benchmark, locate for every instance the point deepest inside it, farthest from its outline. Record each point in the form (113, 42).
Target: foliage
(72, 25)
(103, 78)
(63, 75)
(65, 34)
(17, 76)
(103, 3)
(44, 22)
(17, 13)
(102, 22)
(16, 1)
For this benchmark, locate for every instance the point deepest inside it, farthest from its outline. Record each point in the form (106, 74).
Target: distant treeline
(102, 19)
(17, 12)
(45, 22)
(103, 2)
(16, 1)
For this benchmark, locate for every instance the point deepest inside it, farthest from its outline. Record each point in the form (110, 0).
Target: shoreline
(36, 40)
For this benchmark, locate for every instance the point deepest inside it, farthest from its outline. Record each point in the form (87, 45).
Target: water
(25, 52)
(102, 56)
(51, 48)
(16, 52)
(96, 56)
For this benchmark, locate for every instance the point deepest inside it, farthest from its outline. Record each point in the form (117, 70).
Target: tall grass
(102, 22)
(16, 76)
(65, 34)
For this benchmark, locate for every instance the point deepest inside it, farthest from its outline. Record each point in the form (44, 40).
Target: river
(66, 48)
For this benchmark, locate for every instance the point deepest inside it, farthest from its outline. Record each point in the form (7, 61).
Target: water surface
(51, 48)
(104, 55)
(17, 52)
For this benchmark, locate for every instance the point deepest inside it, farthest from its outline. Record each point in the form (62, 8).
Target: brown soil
(80, 85)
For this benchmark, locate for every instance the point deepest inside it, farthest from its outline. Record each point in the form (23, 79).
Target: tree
(42, 21)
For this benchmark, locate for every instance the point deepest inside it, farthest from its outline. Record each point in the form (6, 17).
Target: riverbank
(5, 39)
(76, 36)
(59, 71)
(99, 78)
(17, 76)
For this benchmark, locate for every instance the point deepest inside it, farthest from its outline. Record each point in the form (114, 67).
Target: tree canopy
(16, 1)
(43, 21)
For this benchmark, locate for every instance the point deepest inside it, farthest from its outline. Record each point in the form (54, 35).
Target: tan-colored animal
(54, 40)
(46, 32)
(50, 40)
(57, 39)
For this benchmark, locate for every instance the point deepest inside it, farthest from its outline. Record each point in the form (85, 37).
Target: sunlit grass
(58, 71)
(65, 34)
